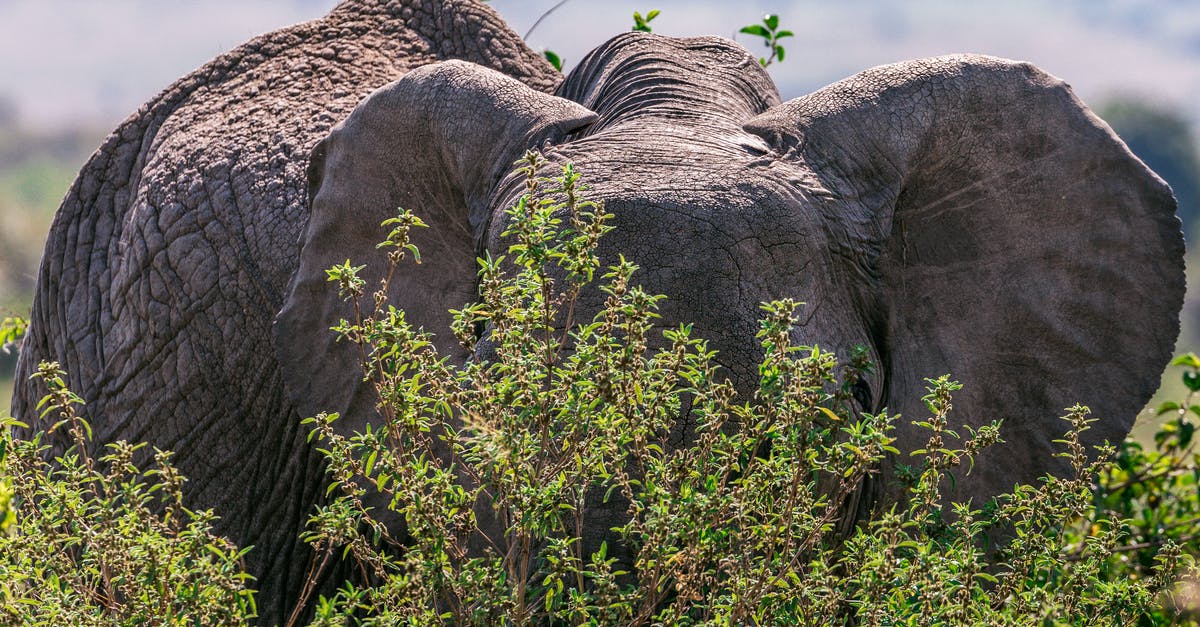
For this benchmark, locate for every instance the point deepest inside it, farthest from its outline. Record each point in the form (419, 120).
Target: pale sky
(95, 62)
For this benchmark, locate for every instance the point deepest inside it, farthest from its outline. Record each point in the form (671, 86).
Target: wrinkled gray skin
(962, 214)
(172, 252)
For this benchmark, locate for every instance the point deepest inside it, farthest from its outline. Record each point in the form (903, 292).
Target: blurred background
(71, 70)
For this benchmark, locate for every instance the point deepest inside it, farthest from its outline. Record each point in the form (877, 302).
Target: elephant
(961, 214)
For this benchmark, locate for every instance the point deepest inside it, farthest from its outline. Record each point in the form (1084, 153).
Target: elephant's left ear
(1011, 239)
(435, 142)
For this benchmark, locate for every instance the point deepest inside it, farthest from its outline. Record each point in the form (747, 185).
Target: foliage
(8, 517)
(12, 330)
(502, 468)
(553, 58)
(643, 23)
(770, 34)
(1155, 495)
(102, 542)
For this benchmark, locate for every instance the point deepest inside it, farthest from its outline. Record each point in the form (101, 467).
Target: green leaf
(642, 23)
(1186, 430)
(1190, 360)
(771, 20)
(554, 60)
(1167, 407)
(755, 29)
(829, 414)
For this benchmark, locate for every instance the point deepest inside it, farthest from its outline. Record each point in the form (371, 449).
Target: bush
(498, 467)
(1154, 497)
(101, 542)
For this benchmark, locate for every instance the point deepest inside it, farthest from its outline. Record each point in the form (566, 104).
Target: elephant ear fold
(1003, 234)
(434, 142)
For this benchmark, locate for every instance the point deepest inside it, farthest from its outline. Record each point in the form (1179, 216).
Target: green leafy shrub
(102, 542)
(12, 330)
(768, 31)
(1154, 497)
(498, 466)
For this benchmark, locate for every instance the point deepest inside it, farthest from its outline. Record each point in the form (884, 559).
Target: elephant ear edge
(435, 142)
(1014, 242)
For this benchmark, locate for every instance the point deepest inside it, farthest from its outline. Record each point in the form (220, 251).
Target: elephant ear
(1004, 235)
(434, 142)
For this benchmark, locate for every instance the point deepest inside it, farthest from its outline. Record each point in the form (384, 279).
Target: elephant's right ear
(434, 142)
(1001, 233)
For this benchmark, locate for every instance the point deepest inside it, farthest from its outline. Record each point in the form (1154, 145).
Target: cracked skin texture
(172, 251)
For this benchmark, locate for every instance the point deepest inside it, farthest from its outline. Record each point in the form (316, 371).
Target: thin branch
(310, 582)
(544, 16)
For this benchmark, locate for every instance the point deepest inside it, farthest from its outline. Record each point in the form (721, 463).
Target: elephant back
(172, 251)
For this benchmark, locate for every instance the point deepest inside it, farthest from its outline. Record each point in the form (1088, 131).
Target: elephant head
(961, 214)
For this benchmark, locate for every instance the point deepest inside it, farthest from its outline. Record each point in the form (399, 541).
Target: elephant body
(962, 214)
(171, 255)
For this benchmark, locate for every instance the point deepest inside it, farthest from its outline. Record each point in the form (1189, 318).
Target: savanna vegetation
(755, 521)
